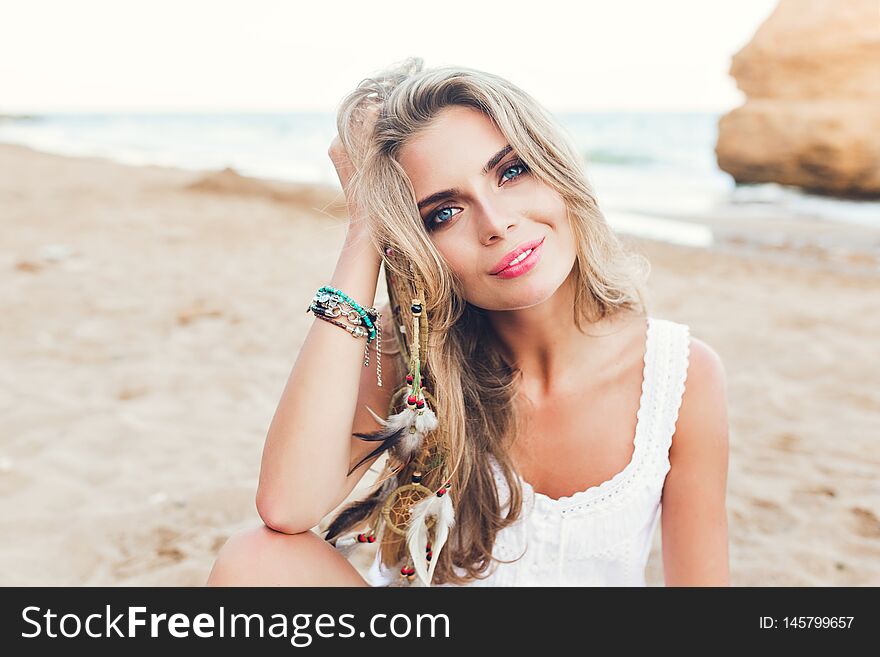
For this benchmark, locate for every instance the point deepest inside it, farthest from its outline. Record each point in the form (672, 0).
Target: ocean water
(655, 174)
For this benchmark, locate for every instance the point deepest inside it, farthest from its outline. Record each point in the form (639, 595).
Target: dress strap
(673, 351)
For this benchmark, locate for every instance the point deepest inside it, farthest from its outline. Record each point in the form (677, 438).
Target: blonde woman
(575, 420)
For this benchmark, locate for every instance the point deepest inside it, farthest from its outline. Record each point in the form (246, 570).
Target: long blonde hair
(473, 387)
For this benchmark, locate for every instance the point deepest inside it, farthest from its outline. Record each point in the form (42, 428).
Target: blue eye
(431, 221)
(514, 166)
(436, 218)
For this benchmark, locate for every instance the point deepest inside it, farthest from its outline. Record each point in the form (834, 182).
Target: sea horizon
(654, 173)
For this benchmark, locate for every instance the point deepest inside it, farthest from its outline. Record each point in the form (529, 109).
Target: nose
(495, 220)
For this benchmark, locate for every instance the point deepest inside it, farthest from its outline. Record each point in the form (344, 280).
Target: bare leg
(264, 557)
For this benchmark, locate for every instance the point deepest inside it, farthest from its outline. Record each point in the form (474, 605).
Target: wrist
(357, 239)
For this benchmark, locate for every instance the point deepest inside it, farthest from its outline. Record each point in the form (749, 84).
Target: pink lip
(522, 248)
(520, 268)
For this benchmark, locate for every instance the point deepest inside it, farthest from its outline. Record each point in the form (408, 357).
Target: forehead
(458, 141)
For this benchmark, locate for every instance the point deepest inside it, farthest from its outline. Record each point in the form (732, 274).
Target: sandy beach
(152, 315)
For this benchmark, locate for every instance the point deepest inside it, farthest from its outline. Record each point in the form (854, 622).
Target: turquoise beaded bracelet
(327, 289)
(365, 315)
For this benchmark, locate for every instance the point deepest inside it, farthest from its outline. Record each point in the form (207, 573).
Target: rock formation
(811, 76)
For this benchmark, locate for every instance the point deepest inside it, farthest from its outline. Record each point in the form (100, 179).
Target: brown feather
(358, 511)
(389, 440)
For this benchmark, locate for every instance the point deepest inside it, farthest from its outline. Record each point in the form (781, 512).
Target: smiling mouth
(522, 256)
(519, 258)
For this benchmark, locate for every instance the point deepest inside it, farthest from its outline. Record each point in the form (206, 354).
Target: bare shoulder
(706, 379)
(705, 358)
(695, 534)
(702, 420)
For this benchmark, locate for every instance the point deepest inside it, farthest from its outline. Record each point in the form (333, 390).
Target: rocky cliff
(811, 76)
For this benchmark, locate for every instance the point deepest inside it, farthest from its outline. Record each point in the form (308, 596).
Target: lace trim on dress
(671, 408)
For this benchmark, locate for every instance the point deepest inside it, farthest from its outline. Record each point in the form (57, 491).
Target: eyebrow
(454, 191)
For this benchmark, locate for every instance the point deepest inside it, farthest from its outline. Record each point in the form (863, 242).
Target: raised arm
(309, 445)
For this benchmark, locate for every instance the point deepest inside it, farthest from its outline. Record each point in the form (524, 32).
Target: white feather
(346, 545)
(423, 421)
(417, 535)
(409, 444)
(426, 420)
(445, 520)
(396, 421)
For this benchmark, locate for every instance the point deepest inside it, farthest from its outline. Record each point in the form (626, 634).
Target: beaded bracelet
(331, 298)
(328, 299)
(342, 309)
(323, 313)
(330, 294)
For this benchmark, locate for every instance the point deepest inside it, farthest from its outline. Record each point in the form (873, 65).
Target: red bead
(411, 399)
(371, 539)
(409, 378)
(420, 403)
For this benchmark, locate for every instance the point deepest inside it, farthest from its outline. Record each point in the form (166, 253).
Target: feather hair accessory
(439, 507)
(402, 433)
(413, 509)
(410, 510)
(358, 512)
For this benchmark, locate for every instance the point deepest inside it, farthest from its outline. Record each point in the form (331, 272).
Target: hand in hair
(345, 168)
(361, 125)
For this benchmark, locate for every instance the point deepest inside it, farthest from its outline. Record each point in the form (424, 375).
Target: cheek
(556, 211)
(461, 261)
(557, 214)
(545, 205)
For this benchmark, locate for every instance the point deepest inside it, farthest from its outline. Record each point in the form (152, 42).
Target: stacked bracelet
(330, 299)
(330, 303)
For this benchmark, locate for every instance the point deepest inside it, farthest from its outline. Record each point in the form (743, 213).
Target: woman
(560, 419)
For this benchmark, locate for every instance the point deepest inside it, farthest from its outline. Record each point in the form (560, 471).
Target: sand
(152, 315)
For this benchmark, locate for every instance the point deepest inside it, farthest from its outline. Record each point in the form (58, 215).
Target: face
(484, 215)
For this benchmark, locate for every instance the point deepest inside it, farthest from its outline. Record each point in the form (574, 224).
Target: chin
(518, 294)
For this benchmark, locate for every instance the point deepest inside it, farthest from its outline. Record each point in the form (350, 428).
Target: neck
(543, 342)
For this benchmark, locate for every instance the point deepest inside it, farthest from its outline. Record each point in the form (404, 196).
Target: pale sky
(269, 55)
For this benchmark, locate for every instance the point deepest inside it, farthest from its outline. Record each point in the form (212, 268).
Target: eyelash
(431, 225)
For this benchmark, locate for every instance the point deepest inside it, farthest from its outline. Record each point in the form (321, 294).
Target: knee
(249, 555)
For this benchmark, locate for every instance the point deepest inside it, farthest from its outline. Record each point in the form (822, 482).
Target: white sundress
(600, 536)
